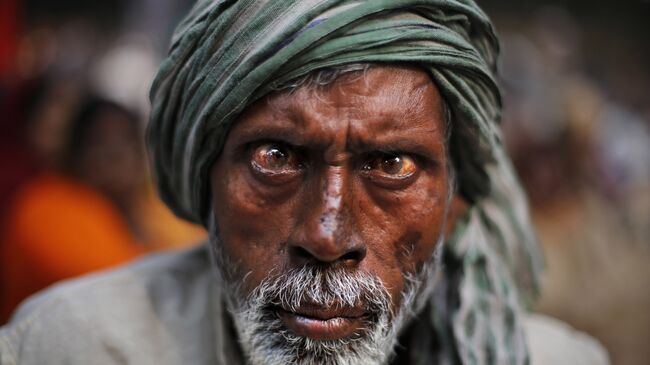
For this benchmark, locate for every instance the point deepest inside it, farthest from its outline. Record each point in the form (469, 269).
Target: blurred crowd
(76, 194)
(580, 141)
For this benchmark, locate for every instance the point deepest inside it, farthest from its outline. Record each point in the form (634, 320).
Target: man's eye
(390, 166)
(274, 158)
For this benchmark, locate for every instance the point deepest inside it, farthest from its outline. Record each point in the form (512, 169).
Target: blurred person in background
(583, 154)
(61, 225)
(90, 207)
(47, 65)
(26, 150)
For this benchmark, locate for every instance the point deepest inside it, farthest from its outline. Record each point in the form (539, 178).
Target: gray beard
(266, 340)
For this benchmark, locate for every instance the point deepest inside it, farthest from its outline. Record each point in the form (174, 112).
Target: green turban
(227, 54)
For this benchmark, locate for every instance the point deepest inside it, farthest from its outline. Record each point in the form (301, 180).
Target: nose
(325, 235)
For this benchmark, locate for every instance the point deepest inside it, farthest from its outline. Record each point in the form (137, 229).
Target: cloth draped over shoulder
(227, 54)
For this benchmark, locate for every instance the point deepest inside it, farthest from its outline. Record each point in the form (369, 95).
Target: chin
(309, 316)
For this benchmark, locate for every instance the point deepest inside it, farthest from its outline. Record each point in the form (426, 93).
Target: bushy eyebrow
(283, 133)
(397, 144)
(405, 142)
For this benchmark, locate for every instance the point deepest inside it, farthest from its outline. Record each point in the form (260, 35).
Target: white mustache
(323, 287)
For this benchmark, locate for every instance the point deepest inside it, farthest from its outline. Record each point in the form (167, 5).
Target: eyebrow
(284, 133)
(397, 144)
(392, 142)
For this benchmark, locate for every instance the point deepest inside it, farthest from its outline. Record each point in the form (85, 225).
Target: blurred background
(76, 196)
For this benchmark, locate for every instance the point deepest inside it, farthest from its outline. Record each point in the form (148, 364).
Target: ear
(457, 208)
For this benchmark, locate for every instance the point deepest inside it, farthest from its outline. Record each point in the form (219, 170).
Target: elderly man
(346, 159)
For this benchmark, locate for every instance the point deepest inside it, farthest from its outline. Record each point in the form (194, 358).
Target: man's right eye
(275, 160)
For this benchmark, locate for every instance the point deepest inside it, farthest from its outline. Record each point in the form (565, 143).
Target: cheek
(404, 228)
(251, 225)
(414, 214)
(425, 214)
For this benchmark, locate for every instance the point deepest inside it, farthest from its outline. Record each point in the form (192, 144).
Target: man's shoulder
(551, 341)
(150, 276)
(139, 311)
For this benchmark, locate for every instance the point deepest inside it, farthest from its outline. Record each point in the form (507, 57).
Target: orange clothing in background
(159, 228)
(57, 228)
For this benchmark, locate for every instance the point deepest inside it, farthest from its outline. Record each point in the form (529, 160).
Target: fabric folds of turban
(227, 54)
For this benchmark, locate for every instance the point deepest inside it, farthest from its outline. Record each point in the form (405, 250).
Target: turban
(227, 54)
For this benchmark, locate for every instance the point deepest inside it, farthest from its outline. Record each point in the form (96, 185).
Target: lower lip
(319, 329)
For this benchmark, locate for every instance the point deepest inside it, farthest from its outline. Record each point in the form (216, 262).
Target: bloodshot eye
(272, 157)
(397, 166)
(275, 162)
(392, 170)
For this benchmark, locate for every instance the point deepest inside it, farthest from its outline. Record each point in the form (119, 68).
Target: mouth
(324, 324)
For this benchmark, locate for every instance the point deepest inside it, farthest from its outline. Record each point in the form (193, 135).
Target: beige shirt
(163, 310)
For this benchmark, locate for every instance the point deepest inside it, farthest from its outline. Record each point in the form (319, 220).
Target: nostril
(356, 255)
(300, 252)
(352, 256)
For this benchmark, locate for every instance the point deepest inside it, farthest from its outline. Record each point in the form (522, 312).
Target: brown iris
(391, 168)
(275, 161)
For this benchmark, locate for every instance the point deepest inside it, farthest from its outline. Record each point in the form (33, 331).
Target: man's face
(328, 202)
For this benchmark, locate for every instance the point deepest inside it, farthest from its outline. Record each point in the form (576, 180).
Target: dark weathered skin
(328, 193)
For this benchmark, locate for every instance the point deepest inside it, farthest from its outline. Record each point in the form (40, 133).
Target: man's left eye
(391, 166)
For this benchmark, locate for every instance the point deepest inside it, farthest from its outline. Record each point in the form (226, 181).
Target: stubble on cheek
(405, 250)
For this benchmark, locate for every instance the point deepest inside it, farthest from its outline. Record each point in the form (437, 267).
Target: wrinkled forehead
(387, 84)
(378, 100)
